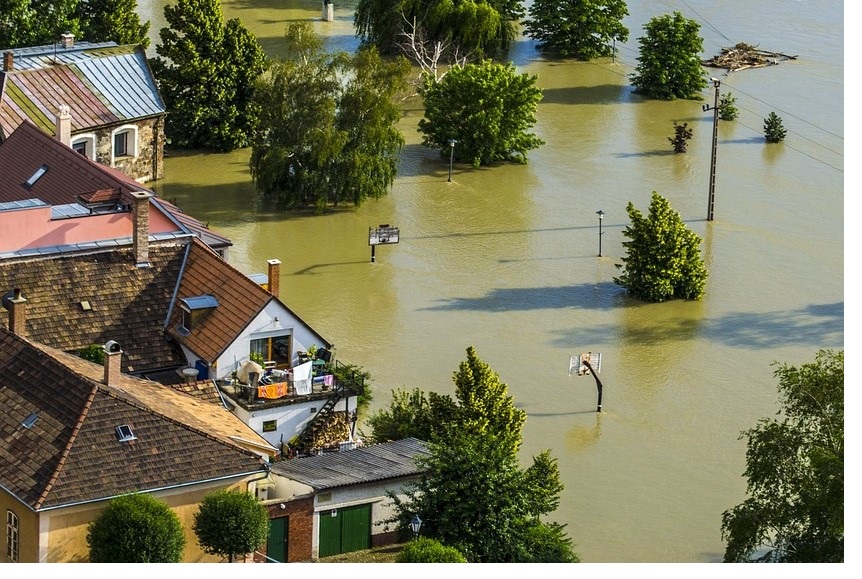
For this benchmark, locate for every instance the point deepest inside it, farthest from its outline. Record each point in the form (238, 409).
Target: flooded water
(505, 259)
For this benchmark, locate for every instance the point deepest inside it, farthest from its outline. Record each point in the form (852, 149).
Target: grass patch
(382, 554)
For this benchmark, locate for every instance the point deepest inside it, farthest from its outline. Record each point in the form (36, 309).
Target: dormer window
(194, 310)
(85, 145)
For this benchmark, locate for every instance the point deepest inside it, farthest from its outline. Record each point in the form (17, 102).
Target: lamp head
(452, 143)
(601, 214)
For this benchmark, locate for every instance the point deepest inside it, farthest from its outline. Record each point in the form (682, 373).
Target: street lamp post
(714, 108)
(601, 215)
(415, 524)
(451, 156)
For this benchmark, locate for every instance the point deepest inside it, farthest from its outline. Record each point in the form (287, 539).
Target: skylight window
(125, 434)
(30, 420)
(36, 176)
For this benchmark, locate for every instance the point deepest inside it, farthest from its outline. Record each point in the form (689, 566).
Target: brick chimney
(67, 40)
(8, 61)
(64, 126)
(274, 273)
(18, 313)
(113, 359)
(141, 227)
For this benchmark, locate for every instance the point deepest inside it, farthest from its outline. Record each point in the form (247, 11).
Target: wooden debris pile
(744, 56)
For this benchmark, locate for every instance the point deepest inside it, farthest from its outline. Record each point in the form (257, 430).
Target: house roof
(102, 84)
(128, 304)
(69, 174)
(239, 300)
(71, 453)
(361, 465)
(207, 235)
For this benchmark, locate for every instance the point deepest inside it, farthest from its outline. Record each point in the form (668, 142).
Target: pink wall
(31, 228)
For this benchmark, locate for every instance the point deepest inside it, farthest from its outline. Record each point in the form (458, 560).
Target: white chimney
(64, 125)
(67, 40)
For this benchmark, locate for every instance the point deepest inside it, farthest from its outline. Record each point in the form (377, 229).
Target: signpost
(588, 363)
(381, 235)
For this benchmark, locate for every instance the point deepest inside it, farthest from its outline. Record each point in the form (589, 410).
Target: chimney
(141, 227)
(113, 359)
(67, 40)
(273, 274)
(17, 313)
(8, 61)
(64, 126)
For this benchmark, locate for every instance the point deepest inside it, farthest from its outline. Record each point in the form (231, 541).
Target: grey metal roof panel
(361, 465)
(44, 56)
(125, 82)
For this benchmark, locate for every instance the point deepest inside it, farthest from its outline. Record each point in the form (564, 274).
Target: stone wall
(148, 164)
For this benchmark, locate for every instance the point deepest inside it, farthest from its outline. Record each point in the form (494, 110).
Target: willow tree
(583, 29)
(321, 141)
(485, 28)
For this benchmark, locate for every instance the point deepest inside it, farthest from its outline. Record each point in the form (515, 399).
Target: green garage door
(276, 543)
(345, 530)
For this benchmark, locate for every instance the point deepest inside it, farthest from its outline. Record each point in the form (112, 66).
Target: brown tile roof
(240, 299)
(69, 173)
(72, 454)
(129, 303)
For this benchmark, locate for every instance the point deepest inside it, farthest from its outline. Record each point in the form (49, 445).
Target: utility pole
(714, 109)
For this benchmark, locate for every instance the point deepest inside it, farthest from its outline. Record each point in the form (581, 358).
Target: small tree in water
(681, 136)
(773, 128)
(726, 109)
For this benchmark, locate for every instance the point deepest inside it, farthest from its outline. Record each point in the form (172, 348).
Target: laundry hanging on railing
(276, 390)
(302, 378)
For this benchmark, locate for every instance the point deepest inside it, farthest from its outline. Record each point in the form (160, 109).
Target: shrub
(681, 136)
(136, 528)
(726, 109)
(93, 353)
(773, 128)
(425, 550)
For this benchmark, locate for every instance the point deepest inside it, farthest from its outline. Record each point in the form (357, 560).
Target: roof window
(36, 176)
(125, 434)
(30, 420)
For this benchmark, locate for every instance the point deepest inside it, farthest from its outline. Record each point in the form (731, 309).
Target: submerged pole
(598, 384)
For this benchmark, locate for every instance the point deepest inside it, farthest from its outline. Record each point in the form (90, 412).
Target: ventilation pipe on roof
(8, 61)
(274, 273)
(141, 227)
(64, 125)
(17, 306)
(113, 358)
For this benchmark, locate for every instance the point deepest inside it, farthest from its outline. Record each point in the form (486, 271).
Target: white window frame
(131, 143)
(89, 140)
(12, 536)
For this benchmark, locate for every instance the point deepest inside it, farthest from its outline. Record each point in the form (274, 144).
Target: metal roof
(105, 86)
(366, 464)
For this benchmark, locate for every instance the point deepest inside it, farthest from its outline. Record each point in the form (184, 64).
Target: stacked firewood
(330, 431)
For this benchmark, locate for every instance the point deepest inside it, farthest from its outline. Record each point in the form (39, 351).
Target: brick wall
(300, 528)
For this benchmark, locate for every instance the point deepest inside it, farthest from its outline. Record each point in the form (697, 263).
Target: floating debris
(744, 56)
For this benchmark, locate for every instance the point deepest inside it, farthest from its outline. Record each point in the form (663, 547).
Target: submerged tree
(487, 108)
(583, 29)
(669, 61)
(727, 110)
(682, 134)
(663, 260)
(795, 470)
(773, 128)
(206, 71)
(322, 141)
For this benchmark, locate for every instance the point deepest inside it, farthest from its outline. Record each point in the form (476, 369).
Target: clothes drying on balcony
(302, 378)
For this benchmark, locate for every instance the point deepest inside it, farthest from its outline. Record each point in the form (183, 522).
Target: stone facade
(148, 162)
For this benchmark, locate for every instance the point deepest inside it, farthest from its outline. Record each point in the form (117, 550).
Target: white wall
(290, 418)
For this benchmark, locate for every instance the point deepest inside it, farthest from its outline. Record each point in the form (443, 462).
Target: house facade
(100, 99)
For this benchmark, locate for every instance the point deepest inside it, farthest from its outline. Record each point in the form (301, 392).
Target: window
(275, 348)
(194, 309)
(125, 434)
(125, 140)
(270, 426)
(36, 176)
(85, 145)
(11, 536)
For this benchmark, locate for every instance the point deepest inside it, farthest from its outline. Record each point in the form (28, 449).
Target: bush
(681, 136)
(231, 523)
(547, 543)
(93, 353)
(425, 550)
(136, 528)
(726, 109)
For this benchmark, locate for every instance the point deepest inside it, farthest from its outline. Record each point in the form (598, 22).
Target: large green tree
(795, 468)
(669, 60)
(230, 523)
(487, 108)
(473, 494)
(36, 22)
(136, 528)
(483, 28)
(583, 29)
(206, 70)
(112, 20)
(663, 259)
(322, 141)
